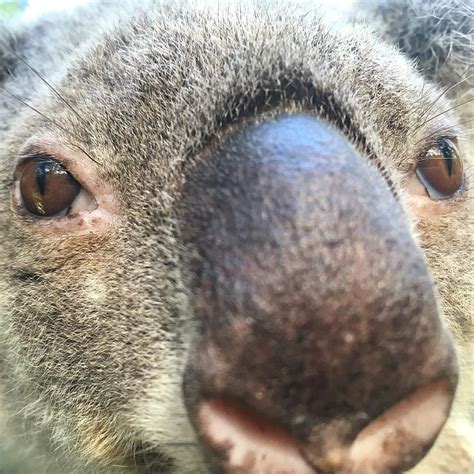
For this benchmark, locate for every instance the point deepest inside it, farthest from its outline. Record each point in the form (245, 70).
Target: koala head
(233, 239)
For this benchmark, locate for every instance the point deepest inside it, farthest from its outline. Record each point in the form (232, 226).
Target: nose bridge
(287, 213)
(311, 295)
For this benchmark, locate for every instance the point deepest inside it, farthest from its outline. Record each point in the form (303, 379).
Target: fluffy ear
(8, 43)
(437, 34)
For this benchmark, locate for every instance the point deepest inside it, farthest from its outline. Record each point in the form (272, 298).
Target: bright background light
(36, 7)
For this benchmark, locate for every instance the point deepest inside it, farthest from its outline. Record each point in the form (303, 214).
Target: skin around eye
(440, 170)
(47, 189)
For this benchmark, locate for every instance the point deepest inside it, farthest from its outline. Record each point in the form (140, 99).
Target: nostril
(396, 440)
(245, 442)
(401, 436)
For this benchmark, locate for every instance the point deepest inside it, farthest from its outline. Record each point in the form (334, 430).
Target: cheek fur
(94, 290)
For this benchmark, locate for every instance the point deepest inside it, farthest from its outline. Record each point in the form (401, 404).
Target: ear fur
(437, 35)
(8, 44)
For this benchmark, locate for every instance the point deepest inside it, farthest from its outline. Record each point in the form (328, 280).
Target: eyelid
(33, 153)
(433, 142)
(452, 144)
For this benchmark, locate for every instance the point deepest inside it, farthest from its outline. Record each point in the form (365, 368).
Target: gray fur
(96, 329)
(437, 35)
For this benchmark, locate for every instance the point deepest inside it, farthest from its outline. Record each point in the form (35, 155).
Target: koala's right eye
(47, 189)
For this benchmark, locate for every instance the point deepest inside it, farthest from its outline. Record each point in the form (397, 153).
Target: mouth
(396, 440)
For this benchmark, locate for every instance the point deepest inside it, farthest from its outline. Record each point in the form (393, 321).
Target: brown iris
(46, 187)
(441, 169)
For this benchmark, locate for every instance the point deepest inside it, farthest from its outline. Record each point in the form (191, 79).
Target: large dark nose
(320, 346)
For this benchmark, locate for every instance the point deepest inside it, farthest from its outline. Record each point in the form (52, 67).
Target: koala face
(232, 241)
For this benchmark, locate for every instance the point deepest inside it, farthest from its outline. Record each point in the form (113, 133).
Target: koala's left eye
(440, 170)
(47, 189)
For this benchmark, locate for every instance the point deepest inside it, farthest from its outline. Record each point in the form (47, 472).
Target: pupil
(42, 170)
(447, 153)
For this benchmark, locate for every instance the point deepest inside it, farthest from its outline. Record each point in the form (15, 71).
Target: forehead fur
(176, 76)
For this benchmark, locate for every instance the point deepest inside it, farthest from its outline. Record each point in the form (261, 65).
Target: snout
(320, 347)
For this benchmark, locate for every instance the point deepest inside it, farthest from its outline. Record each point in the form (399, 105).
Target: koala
(237, 238)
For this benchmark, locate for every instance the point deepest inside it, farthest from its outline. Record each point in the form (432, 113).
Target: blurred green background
(9, 8)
